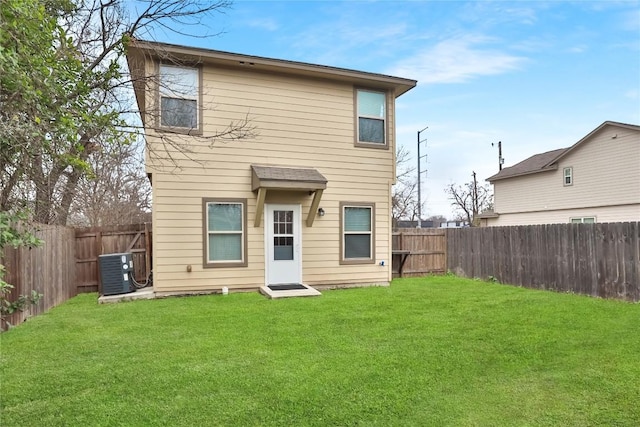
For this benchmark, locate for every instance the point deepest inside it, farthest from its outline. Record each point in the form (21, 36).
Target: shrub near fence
(594, 259)
(48, 269)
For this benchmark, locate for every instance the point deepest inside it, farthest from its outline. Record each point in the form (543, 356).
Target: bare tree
(470, 199)
(116, 192)
(404, 199)
(437, 220)
(94, 93)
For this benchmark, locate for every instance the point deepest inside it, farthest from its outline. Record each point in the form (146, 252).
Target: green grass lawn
(424, 352)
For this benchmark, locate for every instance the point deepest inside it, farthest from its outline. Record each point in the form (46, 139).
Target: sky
(536, 76)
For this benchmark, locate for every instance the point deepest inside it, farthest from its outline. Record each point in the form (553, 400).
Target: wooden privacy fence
(427, 251)
(92, 242)
(48, 269)
(67, 263)
(593, 259)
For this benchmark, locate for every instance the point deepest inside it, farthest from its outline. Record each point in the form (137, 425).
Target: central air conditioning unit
(115, 273)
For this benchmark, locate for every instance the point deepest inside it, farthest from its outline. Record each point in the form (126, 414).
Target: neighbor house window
(225, 243)
(357, 233)
(371, 110)
(568, 176)
(179, 95)
(584, 220)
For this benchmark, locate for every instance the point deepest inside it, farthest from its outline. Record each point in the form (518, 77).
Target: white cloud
(578, 49)
(263, 24)
(631, 94)
(457, 60)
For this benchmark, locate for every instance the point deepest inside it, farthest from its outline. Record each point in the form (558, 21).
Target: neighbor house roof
(533, 164)
(549, 160)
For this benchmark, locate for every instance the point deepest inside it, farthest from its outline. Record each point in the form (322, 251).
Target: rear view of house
(300, 192)
(595, 180)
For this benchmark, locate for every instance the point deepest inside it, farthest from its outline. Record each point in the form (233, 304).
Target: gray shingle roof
(547, 161)
(535, 163)
(272, 173)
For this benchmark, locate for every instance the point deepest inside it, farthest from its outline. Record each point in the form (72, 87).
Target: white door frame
(268, 238)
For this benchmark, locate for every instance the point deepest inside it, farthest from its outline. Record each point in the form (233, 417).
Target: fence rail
(594, 259)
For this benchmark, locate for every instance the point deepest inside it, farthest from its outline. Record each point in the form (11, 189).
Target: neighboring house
(425, 223)
(595, 180)
(454, 224)
(307, 200)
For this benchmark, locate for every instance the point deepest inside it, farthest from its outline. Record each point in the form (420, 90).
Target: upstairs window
(371, 117)
(568, 176)
(179, 94)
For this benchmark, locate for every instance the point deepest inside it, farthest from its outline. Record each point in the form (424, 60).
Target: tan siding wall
(300, 123)
(602, 214)
(606, 173)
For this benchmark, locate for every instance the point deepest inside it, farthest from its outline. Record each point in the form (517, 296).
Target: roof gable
(549, 160)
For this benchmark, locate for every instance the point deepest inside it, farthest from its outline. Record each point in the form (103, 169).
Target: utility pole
(475, 197)
(500, 158)
(419, 179)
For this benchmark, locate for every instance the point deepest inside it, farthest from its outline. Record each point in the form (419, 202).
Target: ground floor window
(584, 220)
(225, 225)
(357, 240)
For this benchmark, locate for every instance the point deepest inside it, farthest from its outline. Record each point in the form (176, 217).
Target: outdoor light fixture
(321, 212)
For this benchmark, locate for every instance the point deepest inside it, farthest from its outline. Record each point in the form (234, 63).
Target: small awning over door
(265, 178)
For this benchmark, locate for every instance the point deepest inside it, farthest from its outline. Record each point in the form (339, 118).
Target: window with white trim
(567, 176)
(371, 112)
(584, 220)
(179, 94)
(225, 228)
(357, 232)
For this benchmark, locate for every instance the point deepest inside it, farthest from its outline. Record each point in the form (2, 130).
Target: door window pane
(282, 222)
(283, 248)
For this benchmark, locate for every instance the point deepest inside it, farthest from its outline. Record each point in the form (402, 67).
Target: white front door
(282, 240)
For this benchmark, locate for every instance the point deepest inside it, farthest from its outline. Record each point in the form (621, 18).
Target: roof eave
(500, 178)
(158, 50)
